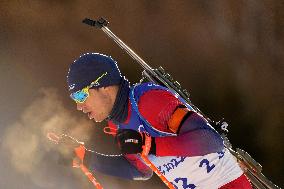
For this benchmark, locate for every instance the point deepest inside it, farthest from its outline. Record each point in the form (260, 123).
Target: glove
(131, 142)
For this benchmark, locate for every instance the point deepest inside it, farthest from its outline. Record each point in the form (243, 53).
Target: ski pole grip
(99, 23)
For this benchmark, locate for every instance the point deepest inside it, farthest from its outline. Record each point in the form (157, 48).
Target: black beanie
(89, 67)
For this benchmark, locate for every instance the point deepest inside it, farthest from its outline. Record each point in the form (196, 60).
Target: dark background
(228, 54)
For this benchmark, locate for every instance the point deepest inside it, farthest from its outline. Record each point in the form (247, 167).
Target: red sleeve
(156, 106)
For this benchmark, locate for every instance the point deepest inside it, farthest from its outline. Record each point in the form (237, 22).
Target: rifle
(251, 168)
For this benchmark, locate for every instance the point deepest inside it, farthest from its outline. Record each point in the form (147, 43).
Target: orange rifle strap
(144, 156)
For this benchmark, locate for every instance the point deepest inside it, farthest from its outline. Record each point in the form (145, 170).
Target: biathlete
(184, 148)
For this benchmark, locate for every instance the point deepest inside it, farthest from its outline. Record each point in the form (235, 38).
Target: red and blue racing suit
(149, 109)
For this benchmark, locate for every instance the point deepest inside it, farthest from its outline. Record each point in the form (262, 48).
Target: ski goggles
(82, 95)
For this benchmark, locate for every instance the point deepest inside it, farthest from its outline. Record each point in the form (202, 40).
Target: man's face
(99, 104)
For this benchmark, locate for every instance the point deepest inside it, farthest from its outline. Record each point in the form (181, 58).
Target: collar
(119, 111)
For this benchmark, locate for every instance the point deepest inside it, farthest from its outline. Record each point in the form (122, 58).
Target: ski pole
(90, 176)
(144, 156)
(56, 139)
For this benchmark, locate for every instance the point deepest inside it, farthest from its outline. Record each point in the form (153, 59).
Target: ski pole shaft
(90, 176)
(158, 173)
(144, 156)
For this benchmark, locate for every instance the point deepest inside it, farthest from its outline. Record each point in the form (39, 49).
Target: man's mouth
(89, 115)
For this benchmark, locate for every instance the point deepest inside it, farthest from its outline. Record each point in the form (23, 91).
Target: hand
(129, 141)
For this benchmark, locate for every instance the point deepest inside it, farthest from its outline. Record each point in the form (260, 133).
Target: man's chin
(98, 120)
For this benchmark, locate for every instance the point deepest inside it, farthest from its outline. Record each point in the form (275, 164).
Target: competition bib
(200, 172)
